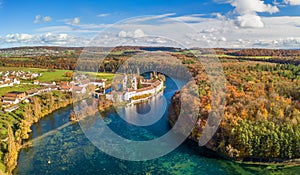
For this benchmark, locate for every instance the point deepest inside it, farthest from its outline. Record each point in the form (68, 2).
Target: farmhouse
(65, 88)
(13, 97)
(36, 82)
(32, 92)
(47, 83)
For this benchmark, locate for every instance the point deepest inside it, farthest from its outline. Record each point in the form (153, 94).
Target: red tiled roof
(65, 87)
(9, 98)
(13, 94)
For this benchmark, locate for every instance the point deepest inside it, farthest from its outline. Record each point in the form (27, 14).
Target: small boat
(73, 117)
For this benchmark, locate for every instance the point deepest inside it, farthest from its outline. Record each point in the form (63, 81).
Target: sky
(193, 23)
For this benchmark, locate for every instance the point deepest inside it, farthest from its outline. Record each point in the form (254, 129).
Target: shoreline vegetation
(40, 108)
(28, 114)
(261, 123)
(262, 112)
(207, 152)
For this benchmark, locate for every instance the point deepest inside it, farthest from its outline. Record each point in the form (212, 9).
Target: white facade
(129, 94)
(150, 88)
(98, 83)
(125, 83)
(16, 101)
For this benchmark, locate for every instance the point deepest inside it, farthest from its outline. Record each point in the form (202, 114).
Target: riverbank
(30, 114)
(217, 143)
(70, 152)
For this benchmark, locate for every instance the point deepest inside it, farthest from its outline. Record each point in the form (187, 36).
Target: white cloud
(279, 43)
(250, 20)
(122, 34)
(248, 9)
(47, 19)
(223, 39)
(148, 18)
(292, 2)
(249, 6)
(37, 19)
(138, 33)
(103, 15)
(76, 21)
(219, 16)
(43, 39)
(70, 27)
(12, 38)
(188, 19)
(278, 32)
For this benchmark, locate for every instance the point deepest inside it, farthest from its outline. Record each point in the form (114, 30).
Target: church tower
(134, 82)
(125, 82)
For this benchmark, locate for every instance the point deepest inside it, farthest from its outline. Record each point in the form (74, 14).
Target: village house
(62, 83)
(10, 109)
(13, 97)
(32, 92)
(47, 83)
(36, 82)
(10, 78)
(65, 88)
(7, 81)
(44, 89)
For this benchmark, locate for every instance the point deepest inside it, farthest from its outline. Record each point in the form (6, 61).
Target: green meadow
(54, 75)
(21, 87)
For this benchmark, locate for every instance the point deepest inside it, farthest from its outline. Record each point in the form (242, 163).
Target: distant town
(134, 88)
(10, 100)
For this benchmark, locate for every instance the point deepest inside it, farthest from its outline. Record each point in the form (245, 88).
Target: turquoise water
(68, 151)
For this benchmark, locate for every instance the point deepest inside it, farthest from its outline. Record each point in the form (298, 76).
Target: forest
(15, 126)
(261, 119)
(109, 59)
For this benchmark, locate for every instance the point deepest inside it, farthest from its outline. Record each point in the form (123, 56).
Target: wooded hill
(67, 57)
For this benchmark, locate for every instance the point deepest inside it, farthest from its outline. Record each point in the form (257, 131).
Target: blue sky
(18, 15)
(40, 22)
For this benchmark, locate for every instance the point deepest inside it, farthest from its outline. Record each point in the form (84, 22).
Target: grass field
(101, 75)
(57, 75)
(21, 87)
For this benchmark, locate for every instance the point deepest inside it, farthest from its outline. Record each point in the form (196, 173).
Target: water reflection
(145, 113)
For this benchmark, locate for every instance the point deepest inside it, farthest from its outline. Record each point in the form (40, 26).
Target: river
(66, 150)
